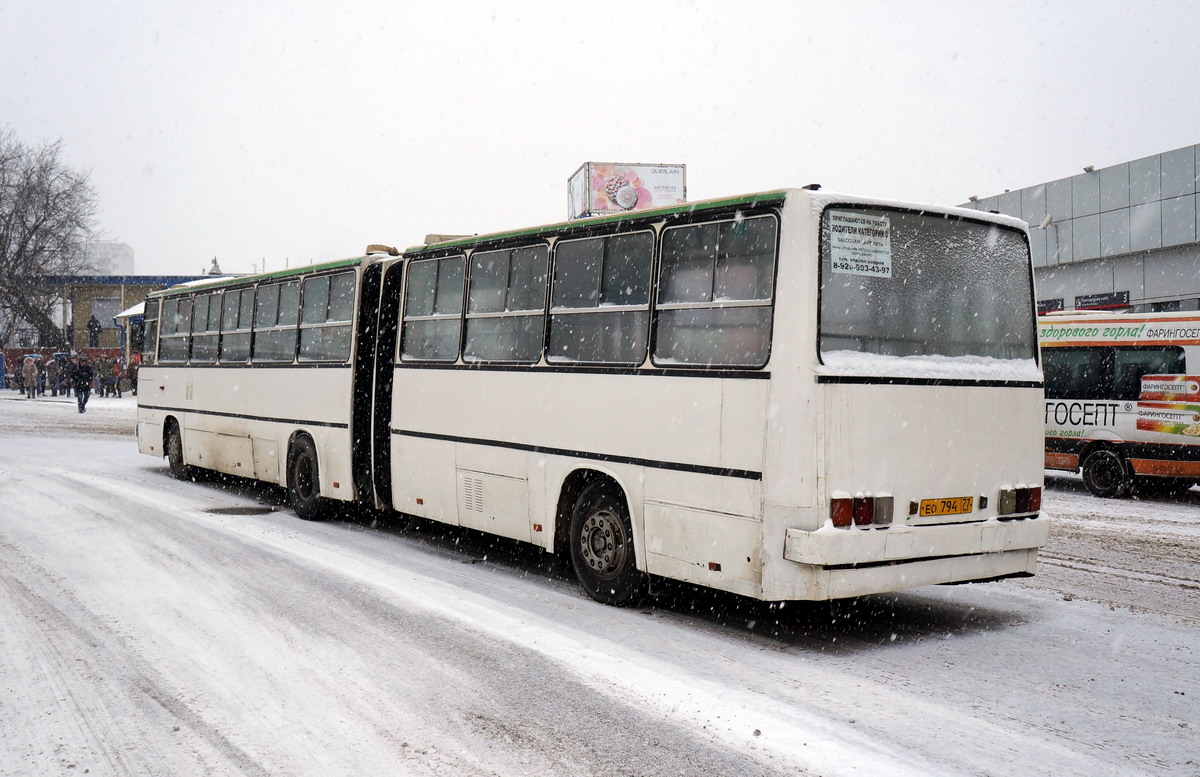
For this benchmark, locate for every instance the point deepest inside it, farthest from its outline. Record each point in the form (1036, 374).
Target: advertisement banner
(599, 188)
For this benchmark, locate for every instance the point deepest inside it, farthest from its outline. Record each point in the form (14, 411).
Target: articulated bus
(786, 395)
(1123, 399)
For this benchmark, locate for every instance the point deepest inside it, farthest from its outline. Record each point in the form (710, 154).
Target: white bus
(787, 395)
(1123, 399)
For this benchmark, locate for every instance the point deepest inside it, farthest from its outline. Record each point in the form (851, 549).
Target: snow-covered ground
(153, 627)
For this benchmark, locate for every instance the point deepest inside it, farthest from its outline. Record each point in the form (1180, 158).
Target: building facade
(1118, 237)
(108, 258)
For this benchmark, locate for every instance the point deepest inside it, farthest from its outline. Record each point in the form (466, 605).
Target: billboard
(598, 188)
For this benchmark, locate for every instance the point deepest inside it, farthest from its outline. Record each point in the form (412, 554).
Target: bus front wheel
(602, 547)
(1105, 474)
(304, 481)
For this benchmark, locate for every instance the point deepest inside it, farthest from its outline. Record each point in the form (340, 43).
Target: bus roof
(749, 200)
(820, 199)
(227, 280)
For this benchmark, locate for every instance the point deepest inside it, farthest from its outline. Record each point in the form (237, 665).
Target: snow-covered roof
(136, 310)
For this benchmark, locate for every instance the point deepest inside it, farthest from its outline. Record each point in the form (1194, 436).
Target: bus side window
(325, 326)
(175, 340)
(236, 315)
(277, 308)
(1130, 364)
(206, 323)
(506, 304)
(715, 290)
(150, 332)
(433, 310)
(600, 301)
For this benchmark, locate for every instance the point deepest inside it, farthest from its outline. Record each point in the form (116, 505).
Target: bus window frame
(405, 317)
(766, 304)
(326, 323)
(599, 308)
(529, 313)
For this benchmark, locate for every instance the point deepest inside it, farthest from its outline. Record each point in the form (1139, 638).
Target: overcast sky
(272, 132)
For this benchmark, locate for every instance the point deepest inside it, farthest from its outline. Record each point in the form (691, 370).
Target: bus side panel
(423, 483)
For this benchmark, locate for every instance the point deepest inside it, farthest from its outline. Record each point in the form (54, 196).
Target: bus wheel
(602, 547)
(174, 446)
(304, 481)
(1104, 474)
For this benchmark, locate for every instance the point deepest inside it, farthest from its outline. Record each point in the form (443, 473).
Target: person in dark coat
(93, 327)
(84, 375)
(68, 375)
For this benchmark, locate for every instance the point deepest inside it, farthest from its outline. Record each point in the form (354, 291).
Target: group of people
(76, 374)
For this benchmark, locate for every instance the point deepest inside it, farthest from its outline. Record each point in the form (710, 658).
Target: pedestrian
(68, 377)
(84, 375)
(93, 327)
(29, 373)
(54, 376)
(135, 367)
(41, 377)
(102, 376)
(116, 377)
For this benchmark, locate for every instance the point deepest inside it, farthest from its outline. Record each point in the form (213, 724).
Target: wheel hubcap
(603, 543)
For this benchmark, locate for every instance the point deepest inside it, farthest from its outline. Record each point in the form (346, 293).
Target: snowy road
(152, 627)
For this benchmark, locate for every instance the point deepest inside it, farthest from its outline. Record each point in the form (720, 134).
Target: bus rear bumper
(841, 563)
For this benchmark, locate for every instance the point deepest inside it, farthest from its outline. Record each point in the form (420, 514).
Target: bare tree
(47, 212)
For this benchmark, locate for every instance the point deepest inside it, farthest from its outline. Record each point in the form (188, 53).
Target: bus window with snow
(925, 294)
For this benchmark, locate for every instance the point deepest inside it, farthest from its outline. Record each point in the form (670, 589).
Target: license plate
(954, 505)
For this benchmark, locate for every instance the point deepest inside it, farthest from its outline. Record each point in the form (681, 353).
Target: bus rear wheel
(602, 552)
(304, 481)
(174, 446)
(1105, 474)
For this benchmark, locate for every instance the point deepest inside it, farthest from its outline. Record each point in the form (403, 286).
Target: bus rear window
(906, 284)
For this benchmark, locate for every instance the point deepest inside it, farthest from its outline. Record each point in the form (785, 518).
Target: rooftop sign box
(598, 188)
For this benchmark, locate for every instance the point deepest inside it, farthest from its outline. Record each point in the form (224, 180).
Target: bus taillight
(841, 511)
(861, 510)
(864, 510)
(1019, 501)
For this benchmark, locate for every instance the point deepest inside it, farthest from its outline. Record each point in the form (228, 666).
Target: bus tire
(1105, 474)
(601, 541)
(304, 481)
(173, 443)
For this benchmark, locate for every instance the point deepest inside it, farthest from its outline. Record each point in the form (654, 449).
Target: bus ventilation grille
(473, 494)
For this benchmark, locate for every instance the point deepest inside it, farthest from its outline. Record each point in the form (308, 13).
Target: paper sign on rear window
(860, 243)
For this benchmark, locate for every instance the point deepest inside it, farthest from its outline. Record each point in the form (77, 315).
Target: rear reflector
(1007, 503)
(883, 510)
